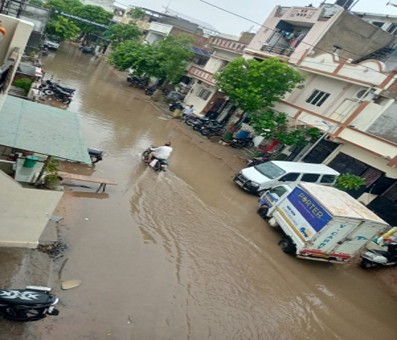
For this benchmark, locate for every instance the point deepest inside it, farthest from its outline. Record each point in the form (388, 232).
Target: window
(328, 179)
(203, 93)
(317, 97)
(278, 191)
(290, 177)
(312, 178)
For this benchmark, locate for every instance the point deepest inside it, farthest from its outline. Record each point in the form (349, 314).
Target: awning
(24, 213)
(43, 129)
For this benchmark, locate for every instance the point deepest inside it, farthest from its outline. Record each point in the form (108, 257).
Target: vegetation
(23, 83)
(348, 181)
(68, 28)
(136, 13)
(254, 86)
(119, 33)
(167, 59)
(37, 3)
(63, 28)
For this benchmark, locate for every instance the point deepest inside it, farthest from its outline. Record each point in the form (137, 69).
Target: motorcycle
(379, 258)
(157, 164)
(258, 160)
(242, 143)
(61, 93)
(137, 81)
(176, 105)
(212, 129)
(150, 90)
(95, 155)
(29, 304)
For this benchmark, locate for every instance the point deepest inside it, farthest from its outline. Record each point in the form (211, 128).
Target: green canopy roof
(44, 129)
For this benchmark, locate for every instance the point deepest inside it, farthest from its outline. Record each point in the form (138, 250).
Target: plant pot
(52, 181)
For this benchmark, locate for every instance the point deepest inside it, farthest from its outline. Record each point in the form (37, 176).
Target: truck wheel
(365, 264)
(262, 211)
(287, 246)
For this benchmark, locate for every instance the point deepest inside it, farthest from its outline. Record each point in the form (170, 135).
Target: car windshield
(270, 170)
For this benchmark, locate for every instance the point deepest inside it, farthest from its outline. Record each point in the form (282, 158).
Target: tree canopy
(166, 59)
(60, 25)
(119, 33)
(253, 85)
(63, 27)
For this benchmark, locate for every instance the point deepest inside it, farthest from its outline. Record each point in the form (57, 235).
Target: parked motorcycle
(29, 304)
(157, 164)
(379, 258)
(150, 90)
(95, 155)
(242, 143)
(137, 81)
(176, 105)
(61, 93)
(212, 129)
(258, 160)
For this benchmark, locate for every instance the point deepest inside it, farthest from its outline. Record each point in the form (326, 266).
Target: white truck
(319, 222)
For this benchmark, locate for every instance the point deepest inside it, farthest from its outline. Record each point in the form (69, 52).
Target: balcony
(229, 45)
(274, 49)
(200, 74)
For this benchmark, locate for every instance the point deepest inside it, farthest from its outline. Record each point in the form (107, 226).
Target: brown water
(182, 254)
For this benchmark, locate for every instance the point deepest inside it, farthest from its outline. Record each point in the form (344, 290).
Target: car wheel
(262, 211)
(287, 246)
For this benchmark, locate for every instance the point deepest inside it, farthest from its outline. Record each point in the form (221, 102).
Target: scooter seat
(23, 297)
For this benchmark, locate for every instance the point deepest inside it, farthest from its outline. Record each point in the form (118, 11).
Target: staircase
(12, 8)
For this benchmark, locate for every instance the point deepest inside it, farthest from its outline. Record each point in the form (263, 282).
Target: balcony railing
(226, 44)
(286, 51)
(199, 73)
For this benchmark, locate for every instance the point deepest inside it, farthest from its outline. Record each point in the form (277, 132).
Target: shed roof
(24, 213)
(44, 129)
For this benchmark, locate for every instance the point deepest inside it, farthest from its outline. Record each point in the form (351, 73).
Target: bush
(348, 181)
(23, 83)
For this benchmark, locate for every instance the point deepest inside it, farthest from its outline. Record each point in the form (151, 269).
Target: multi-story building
(204, 95)
(348, 92)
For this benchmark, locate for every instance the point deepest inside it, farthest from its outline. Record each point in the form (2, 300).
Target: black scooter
(29, 304)
(242, 143)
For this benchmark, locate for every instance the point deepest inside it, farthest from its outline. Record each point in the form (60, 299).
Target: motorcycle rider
(161, 152)
(187, 111)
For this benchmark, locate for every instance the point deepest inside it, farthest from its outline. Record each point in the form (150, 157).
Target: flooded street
(183, 254)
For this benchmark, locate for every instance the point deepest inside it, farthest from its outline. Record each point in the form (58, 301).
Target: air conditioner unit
(364, 94)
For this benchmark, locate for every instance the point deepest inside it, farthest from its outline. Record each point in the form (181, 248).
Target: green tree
(174, 54)
(165, 60)
(92, 13)
(136, 13)
(253, 85)
(66, 6)
(62, 27)
(119, 33)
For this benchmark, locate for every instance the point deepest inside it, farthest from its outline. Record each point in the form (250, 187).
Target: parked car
(51, 44)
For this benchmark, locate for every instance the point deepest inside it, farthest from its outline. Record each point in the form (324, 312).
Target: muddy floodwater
(183, 254)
